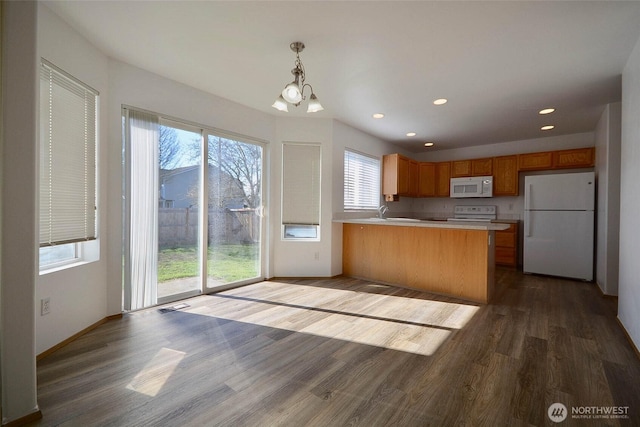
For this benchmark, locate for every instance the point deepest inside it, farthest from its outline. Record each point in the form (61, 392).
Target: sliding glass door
(235, 207)
(179, 210)
(193, 226)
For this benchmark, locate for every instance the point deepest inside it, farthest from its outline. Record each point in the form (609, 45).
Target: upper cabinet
(578, 158)
(562, 159)
(426, 179)
(403, 176)
(482, 167)
(473, 167)
(535, 161)
(433, 179)
(399, 176)
(460, 168)
(505, 176)
(413, 179)
(443, 178)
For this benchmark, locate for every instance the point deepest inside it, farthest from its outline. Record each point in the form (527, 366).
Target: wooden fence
(179, 226)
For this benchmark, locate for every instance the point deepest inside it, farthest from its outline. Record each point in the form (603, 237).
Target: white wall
(607, 137)
(78, 294)
(629, 284)
(20, 63)
(302, 258)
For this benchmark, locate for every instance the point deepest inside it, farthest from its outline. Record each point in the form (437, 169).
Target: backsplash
(442, 207)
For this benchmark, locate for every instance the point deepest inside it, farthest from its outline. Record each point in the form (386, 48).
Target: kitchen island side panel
(453, 262)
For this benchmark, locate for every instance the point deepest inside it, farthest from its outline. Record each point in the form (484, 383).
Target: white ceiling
(497, 63)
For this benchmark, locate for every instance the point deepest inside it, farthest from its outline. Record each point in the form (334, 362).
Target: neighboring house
(179, 188)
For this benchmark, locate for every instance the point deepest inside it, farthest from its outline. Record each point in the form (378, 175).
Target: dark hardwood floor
(350, 352)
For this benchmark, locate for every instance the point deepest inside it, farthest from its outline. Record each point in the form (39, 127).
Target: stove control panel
(475, 210)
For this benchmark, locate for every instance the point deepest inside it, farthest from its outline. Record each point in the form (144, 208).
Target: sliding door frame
(203, 220)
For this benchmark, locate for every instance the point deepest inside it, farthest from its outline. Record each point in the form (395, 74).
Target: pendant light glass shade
(314, 104)
(292, 93)
(281, 104)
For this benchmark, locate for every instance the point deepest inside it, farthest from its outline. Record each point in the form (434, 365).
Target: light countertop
(409, 222)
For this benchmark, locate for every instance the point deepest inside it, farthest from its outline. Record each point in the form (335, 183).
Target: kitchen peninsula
(455, 259)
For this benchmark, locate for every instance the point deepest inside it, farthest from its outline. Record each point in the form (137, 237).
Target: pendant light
(293, 93)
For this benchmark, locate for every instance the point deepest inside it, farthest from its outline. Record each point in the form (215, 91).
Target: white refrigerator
(559, 225)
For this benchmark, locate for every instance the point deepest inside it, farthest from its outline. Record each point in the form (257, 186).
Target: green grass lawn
(226, 263)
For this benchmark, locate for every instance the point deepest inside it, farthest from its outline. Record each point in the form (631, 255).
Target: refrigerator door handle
(527, 206)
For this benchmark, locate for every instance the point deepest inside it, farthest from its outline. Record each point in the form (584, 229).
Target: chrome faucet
(382, 210)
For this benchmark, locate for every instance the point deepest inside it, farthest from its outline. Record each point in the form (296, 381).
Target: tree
(169, 148)
(240, 161)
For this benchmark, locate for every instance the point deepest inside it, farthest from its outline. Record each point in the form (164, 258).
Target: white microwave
(473, 186)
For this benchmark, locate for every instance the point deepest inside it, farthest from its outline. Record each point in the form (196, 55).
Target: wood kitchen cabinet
(578, 158)
(507, 246)
(535, 161)
(403, 176)
(482, 167)
(426, 179)
(443, 179)
(561, 159)
(423, 258)
(399, 176)
(460, 168)
(413, 179)
(473, 167)
(505, 176)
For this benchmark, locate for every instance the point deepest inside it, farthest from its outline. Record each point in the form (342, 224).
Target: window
(67, 165)
(361, 181)
(55, 256)
(300, 191)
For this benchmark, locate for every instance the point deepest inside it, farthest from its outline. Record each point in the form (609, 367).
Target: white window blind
(361, 181)
(67, 158)
(301, 184)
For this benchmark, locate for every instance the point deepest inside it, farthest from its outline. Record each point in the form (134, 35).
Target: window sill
(48, 270)
(89, 252)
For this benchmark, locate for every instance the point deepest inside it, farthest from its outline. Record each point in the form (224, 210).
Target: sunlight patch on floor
(155, 374)
(417, 326)
(439, 313)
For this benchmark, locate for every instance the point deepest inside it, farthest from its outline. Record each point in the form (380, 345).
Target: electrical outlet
(45, 306)
(316, 256)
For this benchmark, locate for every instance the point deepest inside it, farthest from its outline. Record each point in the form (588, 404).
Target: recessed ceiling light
(411, 134)
(378, 115)
(428, 144)
(547, 111)
(440, 101)
(547, 127)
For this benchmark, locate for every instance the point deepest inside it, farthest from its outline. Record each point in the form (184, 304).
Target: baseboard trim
(275, 279)
(602, 294)
(626, 334)
(23, 421)
(76, 336)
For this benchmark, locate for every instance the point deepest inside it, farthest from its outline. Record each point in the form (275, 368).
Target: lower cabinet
(448, 261)
(507, 246)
